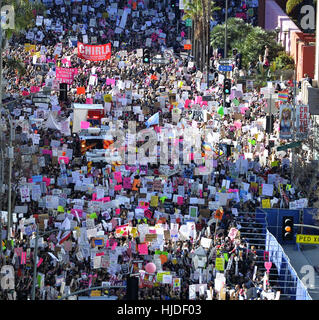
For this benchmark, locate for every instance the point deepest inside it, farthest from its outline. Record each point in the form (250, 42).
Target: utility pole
(226, 18)
(317, 47)
(10, 156)
(294, 125)
(1, 133)
(35, 254)
(208, 39)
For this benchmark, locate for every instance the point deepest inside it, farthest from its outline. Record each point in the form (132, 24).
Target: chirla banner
(65, 75)
(285, 123)
(94, 53)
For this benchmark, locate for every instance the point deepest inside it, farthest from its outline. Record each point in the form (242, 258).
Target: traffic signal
(83, 147)
(287, 227)
(146, 56)
(63, 92)
(227, 86)
(270, 123)
(238, 61)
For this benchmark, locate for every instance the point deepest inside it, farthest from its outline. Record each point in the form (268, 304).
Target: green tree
(25, 13)
(249, 40)
(237, 30)
(284, 61)
(293, 4)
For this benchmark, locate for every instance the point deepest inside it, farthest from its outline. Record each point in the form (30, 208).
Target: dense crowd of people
(93, 218)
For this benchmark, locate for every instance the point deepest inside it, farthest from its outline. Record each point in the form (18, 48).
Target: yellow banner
(307, 238)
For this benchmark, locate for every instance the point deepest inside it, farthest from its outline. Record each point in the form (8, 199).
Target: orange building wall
(303, 53)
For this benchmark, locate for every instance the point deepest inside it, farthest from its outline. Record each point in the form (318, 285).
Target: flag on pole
(154, 119)
(66, 235)
(283, 96)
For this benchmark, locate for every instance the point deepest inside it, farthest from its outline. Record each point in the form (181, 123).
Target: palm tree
(194, 11)
(197, 11)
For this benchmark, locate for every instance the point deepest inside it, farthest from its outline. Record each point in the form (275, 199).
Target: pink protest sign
(232, 233)
(65, 159)
(65, 75)
(187, 103)
(198, 99)
(237, 124)
(144, 205)
(47, 181)
(180, 201)
(77, 211)
(39, 263)
(148, 214)
(203, 103)
(34, 89)
(110, 82)
(23, 257)
(118, 177)
(118, 187)
(89, 101)
(142, 249)
(117, 211)
(85, 124)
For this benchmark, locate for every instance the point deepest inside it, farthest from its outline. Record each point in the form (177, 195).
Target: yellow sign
(307, 238)
(274, 164)
(107, 98)
(29, 47)
(266, 203)
(219, 264)
(159, 277)
(133, 232)
(154, 201)
(95, 293)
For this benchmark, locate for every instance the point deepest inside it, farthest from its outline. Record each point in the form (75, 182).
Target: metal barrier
(288, 281)
(282, 276)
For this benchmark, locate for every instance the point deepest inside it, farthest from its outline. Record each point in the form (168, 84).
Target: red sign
(187, 47)
(94, 53)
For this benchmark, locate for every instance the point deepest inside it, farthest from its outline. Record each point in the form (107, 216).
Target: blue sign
(225, 68)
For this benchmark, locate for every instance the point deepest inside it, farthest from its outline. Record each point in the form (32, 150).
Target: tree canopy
(250, 41)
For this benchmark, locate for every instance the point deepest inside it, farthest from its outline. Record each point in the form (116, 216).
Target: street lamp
(277, 30)
(285, 43)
